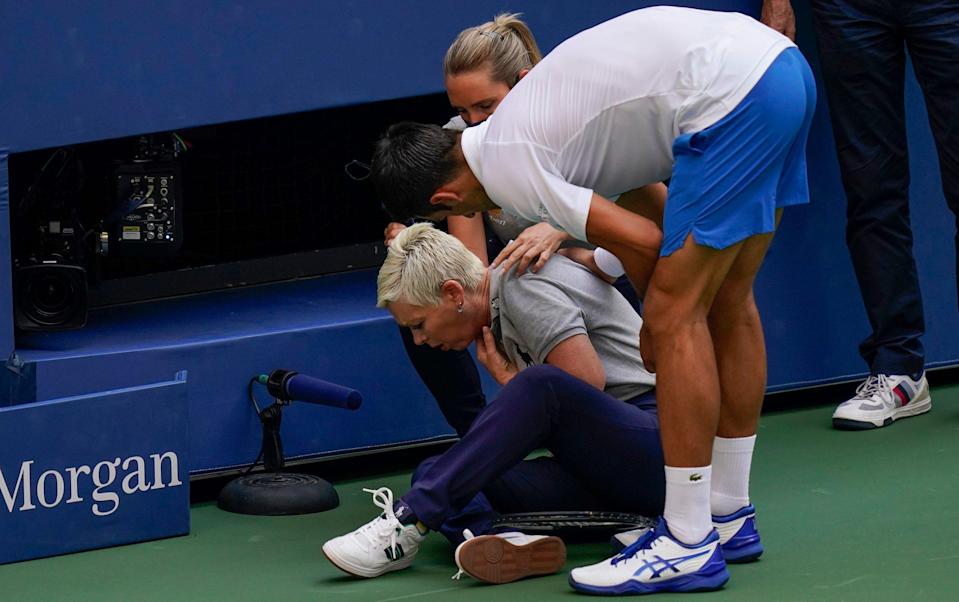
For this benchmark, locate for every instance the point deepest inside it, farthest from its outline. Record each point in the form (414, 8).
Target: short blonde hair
(420, 259)
(505, 43)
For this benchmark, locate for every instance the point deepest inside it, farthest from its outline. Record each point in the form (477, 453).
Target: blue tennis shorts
(729, 179)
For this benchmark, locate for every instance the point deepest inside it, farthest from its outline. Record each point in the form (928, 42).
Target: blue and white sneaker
(656, 562)
(738, 536)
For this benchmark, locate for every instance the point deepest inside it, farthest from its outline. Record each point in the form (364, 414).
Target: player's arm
(470, 232)
(632, 238)
(577, 356)
(648, 201)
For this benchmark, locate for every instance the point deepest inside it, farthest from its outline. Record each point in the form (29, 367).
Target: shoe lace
(387, 523)
(877, 385)
(633, 548)
(467, 535)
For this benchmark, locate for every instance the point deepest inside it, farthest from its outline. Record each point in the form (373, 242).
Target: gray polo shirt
(533, 313)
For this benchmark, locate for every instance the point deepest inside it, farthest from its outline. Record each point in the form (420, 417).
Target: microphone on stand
(275, 492)
(288, 385)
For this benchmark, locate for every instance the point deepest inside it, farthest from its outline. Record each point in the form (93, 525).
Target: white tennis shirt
(601, 111)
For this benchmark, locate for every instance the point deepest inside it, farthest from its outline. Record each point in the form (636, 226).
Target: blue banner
(93, 471)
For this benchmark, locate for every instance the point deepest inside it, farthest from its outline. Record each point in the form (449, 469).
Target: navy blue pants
(863, 46)
(606, 455)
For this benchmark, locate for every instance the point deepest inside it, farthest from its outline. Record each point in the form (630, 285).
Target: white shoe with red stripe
(882, 399)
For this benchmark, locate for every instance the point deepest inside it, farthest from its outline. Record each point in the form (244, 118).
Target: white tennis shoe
(656, 562)
(380, 546)
(882, 399)
(738, 536)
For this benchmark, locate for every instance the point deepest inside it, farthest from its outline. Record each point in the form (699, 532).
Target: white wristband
(608, 263)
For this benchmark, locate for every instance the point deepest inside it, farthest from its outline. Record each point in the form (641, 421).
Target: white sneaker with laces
(882, 399)
(506, 557)
(380, 546)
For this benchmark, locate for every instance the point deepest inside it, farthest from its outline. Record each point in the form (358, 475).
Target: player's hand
(391, 231)
(531, 249)
(585, 257)
(778, 15)
(647, 349)
(498, 365)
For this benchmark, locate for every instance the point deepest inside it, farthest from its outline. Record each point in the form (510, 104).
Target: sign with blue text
(93, 471)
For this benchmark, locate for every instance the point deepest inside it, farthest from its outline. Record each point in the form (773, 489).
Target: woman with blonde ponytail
(485, 62)
(481, 66)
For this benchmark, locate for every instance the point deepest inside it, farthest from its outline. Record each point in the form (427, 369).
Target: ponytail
(506, 44)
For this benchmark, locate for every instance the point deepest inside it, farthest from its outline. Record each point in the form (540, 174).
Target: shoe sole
(494, 559)
(688, 583)
(357, 571)
(748, 553)
(915, 408)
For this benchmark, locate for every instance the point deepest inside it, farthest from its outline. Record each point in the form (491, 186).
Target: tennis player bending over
(719, 104)
(564, 345)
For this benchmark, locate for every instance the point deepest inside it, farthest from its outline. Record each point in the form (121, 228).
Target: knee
(536, 376)
(666, 315)
(532, 387)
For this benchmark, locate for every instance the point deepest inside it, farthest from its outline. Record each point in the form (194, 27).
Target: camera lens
(51, 296)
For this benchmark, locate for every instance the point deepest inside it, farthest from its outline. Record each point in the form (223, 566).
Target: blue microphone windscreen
(313, 390)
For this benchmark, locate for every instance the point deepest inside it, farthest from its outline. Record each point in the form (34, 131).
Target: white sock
(687, 503)
(732, 459)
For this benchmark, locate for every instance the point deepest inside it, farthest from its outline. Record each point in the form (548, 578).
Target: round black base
(278, 494)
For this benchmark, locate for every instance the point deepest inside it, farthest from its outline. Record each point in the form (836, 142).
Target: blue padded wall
(93, 70)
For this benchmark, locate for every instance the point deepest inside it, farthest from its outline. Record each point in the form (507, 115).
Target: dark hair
(411, 161)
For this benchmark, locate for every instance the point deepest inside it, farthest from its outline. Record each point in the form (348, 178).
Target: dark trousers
(606, 455)
(862, 44)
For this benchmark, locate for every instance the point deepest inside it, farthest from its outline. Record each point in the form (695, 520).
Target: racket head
(579, 525)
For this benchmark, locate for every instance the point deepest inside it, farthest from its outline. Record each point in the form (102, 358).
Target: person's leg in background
(452, 378)
(863, 60)
(932, 37)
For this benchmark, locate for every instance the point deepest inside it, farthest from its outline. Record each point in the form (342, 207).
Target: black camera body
(80, 213)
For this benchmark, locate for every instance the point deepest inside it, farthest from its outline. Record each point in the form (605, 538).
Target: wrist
(608, 263)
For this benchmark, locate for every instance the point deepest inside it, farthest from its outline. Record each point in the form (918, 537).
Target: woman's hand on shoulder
(392, 229)
(531, 249)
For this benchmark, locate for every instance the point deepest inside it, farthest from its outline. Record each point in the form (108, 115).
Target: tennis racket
(584, 525)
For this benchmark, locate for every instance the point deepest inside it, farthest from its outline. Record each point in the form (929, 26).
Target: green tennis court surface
(844, 516)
